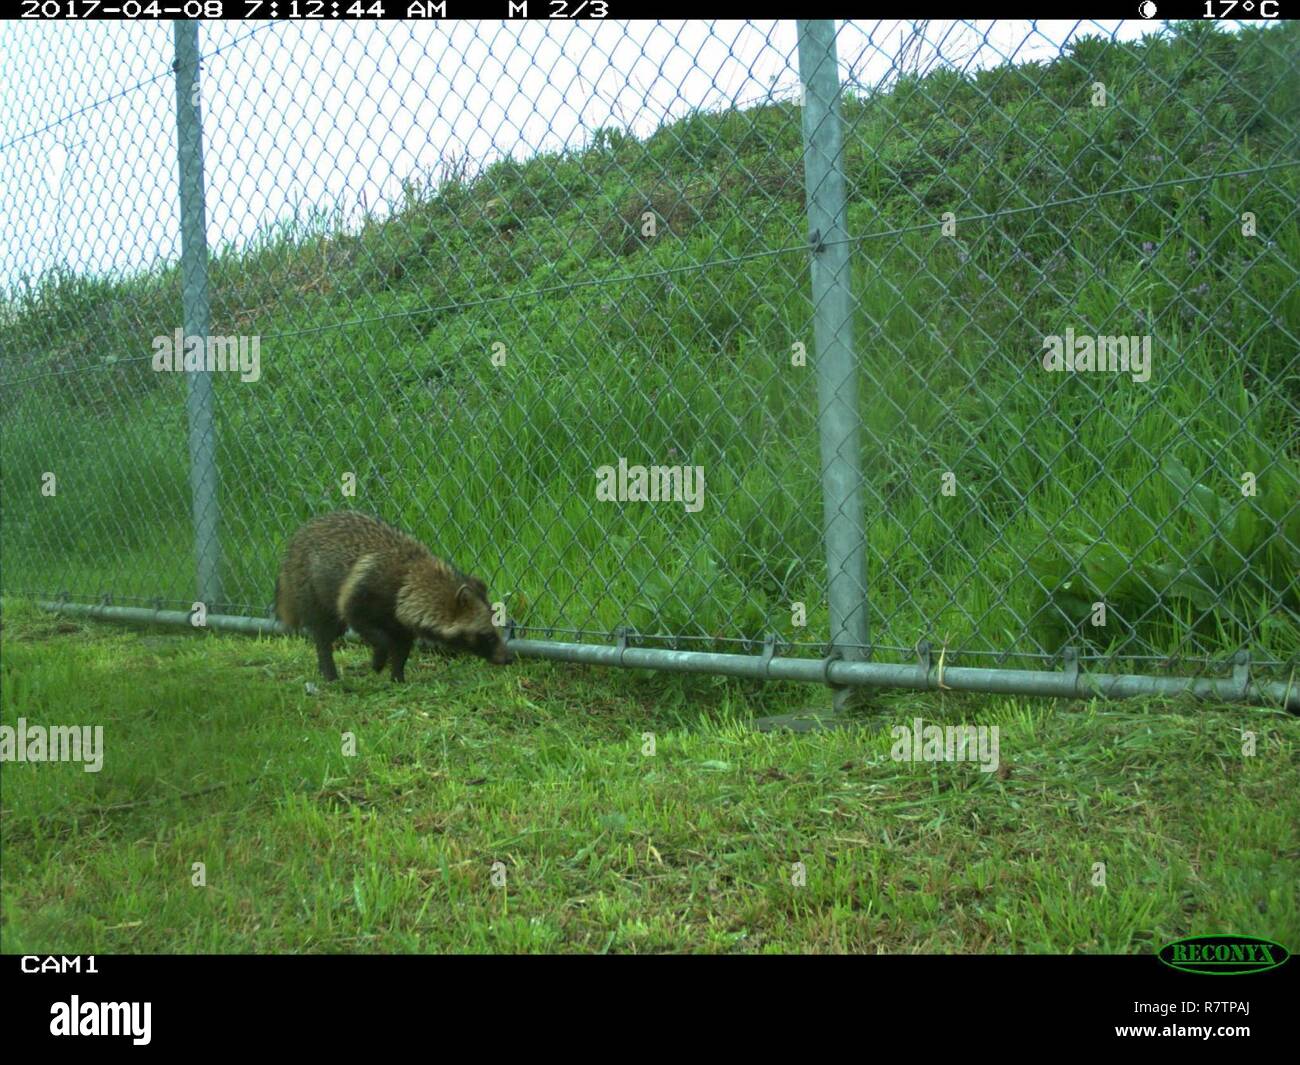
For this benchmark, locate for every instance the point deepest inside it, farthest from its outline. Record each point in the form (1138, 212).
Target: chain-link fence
(980, 338)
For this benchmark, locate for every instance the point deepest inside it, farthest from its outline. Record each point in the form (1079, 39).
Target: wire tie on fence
(1070, 665)
(1241, 672)
(833, 656)
(815, 239)
(621, 633)
(510, 629)
(923, 649)
(769, 653)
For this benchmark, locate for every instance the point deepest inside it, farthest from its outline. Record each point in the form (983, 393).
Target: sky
(337, 116)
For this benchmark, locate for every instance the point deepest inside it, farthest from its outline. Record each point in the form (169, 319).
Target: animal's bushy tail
(283, 607)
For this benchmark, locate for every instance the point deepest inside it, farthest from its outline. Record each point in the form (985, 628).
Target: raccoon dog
(347, 568)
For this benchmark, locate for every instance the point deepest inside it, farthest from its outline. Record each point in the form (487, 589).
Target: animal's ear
(463, 596)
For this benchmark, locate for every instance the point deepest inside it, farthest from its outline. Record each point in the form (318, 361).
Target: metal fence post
(194, 299)
(838, 416)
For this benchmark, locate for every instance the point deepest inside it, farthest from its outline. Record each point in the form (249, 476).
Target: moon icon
(1147, 9)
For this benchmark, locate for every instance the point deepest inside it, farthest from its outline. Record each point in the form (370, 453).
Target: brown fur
(347, 568)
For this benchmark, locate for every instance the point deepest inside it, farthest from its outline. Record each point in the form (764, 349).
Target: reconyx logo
(1223, 955)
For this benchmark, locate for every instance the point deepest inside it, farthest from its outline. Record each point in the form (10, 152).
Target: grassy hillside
(377, 344)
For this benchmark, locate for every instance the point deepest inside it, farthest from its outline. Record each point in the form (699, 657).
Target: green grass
(217, 753)
(1071, 490)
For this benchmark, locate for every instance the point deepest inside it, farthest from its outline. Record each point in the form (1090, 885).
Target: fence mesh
(489, 270)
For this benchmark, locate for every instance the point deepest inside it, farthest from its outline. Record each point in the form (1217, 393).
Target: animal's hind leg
(324, 637)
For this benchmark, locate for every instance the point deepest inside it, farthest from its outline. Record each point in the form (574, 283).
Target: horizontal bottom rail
(840, 672)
